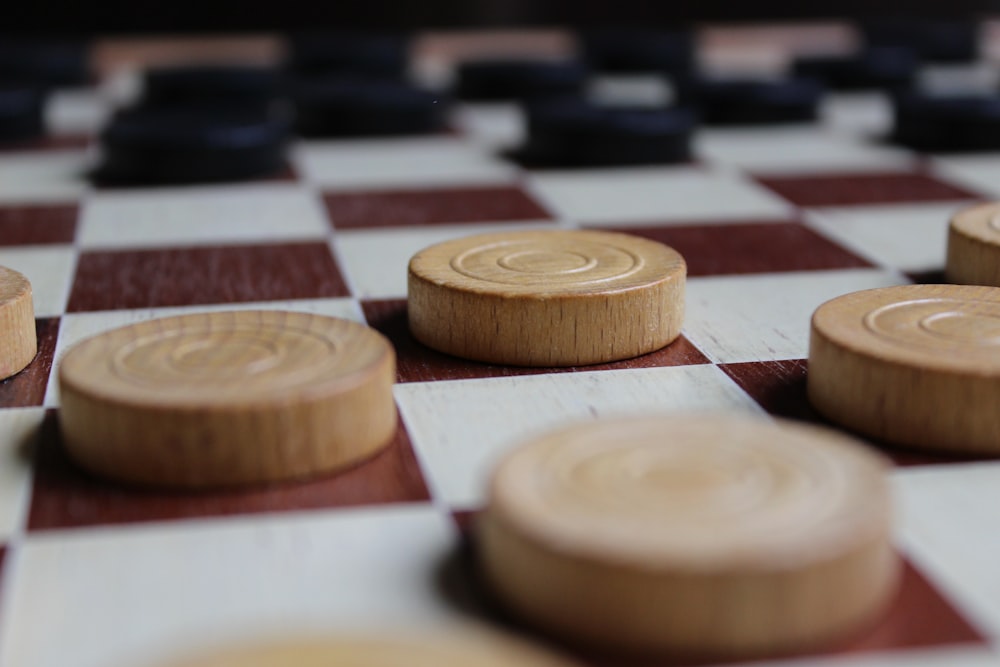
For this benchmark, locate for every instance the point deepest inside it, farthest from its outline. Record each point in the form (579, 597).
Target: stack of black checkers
(354, 85)
(875, 67)
(492, 80)
(751, 101)
(947, 123)
(29, 70)
(197, 124)
(347, 106)
(370, 56)
(574, 132)
(933, 40)
(208, 85)
(670, 52)
(927, 119)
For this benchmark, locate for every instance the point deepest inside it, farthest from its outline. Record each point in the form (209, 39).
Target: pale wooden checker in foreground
(701, 535)
(18, 343)
(547, 298)
(459, 648)
(974, 246)
(914, 365)
(227, 398)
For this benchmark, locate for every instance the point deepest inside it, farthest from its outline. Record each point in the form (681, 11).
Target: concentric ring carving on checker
(284, 357)
(527, 262)
(932, 323)
(705, 534)
(227, 397)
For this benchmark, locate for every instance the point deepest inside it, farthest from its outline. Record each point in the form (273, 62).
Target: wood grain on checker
(82, 559)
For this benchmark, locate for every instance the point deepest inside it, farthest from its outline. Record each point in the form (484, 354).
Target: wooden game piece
(974, 246)
(547, 298)
(697, 535)
(462, 647)
(18, 343)
(227, 398)
(914, 365)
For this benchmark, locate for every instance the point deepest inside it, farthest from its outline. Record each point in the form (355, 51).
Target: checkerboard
(772, 222)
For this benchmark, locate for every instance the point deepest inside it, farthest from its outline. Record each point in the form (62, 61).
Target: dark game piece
(634, 50)
(960, 123)
(886, 67)
(351, 107)
(518, 79)
(376, 55)
(170, 86)
(188, 145)
(933, 40)
(572, 132)
(21, 113)
(751, 102)
(45, 64)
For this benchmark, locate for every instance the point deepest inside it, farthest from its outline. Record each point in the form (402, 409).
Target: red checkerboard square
(395, 208)
(48, 143)
(65, 496)
(27, 388)
(857, 189)
(752, 247)
(33, 225)
(111, 280)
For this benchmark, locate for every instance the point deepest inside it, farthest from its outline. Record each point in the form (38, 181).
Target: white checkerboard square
(864, 114)
(399, 163)
(50, 270)
(242, 579)
(173, 217)
(655, 194)
(460, 428)
(18, 429)
(979, 173)
(948, 526)
(766, 317)
(50, 177)
(909, 237)
(795, 150)
(494, 125)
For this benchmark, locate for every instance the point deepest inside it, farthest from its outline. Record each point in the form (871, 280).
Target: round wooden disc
(547, 298)
(457, 649)
(227, 398)
(18, 343)
(974, 246)
(700, 535)
(915, 365)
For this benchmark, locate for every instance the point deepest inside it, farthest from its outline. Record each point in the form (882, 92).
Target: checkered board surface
(772, 222)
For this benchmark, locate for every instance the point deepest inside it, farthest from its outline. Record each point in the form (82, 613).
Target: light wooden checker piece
(973, 256)
(18, 343)
(695, 536)
(913, 365)
(227, 398)
(547, 298)
(458, 648)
